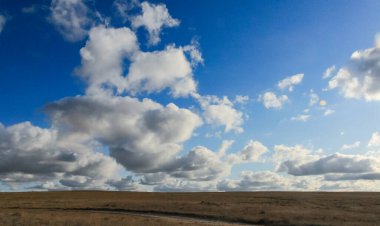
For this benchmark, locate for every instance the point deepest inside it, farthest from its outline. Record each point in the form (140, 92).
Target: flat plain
(105, 208)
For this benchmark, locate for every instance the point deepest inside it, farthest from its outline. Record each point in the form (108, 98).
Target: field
(233, 208)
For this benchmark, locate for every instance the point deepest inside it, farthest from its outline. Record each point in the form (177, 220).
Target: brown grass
(264, 208)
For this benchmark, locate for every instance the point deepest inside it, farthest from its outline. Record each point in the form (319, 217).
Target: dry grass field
(233, 208)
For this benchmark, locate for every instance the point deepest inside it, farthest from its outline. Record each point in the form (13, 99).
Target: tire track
(200, 219)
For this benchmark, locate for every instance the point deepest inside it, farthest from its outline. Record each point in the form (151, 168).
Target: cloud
(220, 112)
(350, 146)
(143, 136)
(250, 153)
(241, 99)
(328, 112)
(360, 78)
(374, 142)
(154, 17)
(3, 20)
(251, 181)
(200, 164)
(314, 98)
(290, 82)
(329, 72)
(123, 8)
(271, 100)
(29, 153)
(301, 118)
(336, 163)
(154, 71)
(226, 144)
(72, 18)
(125, 184)
(149, 72)
(102, 58)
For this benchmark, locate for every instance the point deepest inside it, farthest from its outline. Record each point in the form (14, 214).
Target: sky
(190, 95)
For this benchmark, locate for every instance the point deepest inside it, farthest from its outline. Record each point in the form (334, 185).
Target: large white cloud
(103, 56)
(290, 82)
(360, 78)
(336, 163)
(72, 18)
(271, 100)
(141, 135)
(30, 153)
(154, 17)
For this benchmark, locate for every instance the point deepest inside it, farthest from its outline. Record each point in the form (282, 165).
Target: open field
(234, 208)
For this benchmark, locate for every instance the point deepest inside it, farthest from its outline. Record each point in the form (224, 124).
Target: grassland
(133, 208)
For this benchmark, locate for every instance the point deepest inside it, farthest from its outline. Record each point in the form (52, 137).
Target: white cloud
(123, 8)
(226, 144)
(314, 98)
(72, 18)
(251, 152)
(153, 19)
(241, 99)
(220, 112)
(3, 20)
(267, 181)
(328, 112)
(290, 82)
(271, 100)
(143, 136)
(154, 71)
(301, 118)
(30, 153)
(296, 153)
(149, 72)
(329, 72)
(374, 142)
(102, 58)
(336, 163)
(360, 79)
(350, 146)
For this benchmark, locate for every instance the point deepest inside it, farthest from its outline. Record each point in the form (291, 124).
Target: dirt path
(181, 217)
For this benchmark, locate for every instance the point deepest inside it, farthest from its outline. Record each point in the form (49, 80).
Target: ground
(230, 208)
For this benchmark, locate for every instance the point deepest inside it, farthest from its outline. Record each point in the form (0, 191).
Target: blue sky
(148, 93)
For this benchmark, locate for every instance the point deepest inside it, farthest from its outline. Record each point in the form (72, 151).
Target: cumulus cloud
(350, 146)
(72, 18)
(360, 78)
(336, 163)
(154, 71)
(374, 142)
(154, 17)
(102, 58)
(149, 72)
(301, 118)
(220, 112)
(250, 153)
(251, 181)
(290, 82)
(271, 100)
(297, 153)
(157, 134)
(3, 20)
(30, 153)
(329, 72)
